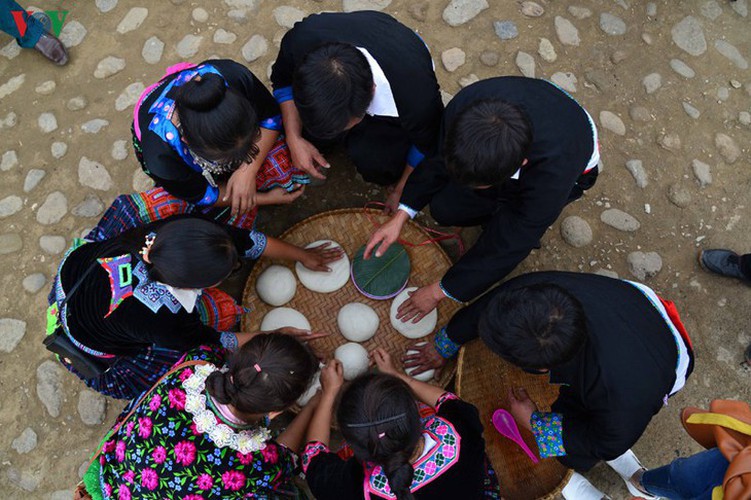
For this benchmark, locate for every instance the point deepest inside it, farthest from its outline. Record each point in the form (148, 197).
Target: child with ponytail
(401, 451)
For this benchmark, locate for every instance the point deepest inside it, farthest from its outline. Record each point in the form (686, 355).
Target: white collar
(428, 444)
(187, 297)
(517, 174)
(383, 103)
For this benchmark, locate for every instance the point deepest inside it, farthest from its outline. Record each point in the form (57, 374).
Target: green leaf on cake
(382, 276)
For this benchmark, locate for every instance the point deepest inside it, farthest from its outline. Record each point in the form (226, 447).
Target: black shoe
(722, 262)
(52, 48)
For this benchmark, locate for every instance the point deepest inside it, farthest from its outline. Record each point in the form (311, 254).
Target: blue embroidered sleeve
(283, 94)
(548, 431)
(229, 341)
(259, 245)
(209, 197)
(312, 449)
(414, 156)
(273, 123)
(446, 347)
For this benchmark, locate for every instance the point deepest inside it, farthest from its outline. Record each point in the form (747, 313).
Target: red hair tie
(258, 368)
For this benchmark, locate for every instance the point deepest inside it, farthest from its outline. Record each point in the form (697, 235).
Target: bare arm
(332, 378)
(313, 258)
(425, 392)
(305, 155)
(293, 435)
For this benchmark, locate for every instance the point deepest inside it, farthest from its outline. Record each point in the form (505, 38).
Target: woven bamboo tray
(484, 379)
(352, 228)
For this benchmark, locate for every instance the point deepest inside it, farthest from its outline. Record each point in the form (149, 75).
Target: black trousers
(457, 205)
(378, 147)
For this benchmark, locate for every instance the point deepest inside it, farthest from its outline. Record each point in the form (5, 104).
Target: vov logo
(56, 20)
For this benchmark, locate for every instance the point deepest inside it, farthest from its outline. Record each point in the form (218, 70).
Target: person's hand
(385, 235)
(306, 156)
(425, 358)
(317, 257)
(241, 190)
(420, 302)
(383, 361)
(332, 378)
(280, 196)
(521, 407)
(300, 334)
(391, 203)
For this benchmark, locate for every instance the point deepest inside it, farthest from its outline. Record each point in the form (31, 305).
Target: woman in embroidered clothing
(146, 296)
(209, 134)
(202, 431)
(397, 452)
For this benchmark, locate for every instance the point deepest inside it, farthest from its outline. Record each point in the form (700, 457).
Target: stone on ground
(643, 265)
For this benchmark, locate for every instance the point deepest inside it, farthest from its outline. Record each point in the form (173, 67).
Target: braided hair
(379, 419)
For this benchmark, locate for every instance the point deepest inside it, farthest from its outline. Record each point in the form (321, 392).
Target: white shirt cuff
(410, 211)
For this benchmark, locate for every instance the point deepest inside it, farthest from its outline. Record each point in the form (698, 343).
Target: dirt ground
(676, 215)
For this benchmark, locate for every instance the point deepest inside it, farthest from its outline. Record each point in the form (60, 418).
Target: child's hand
(317, 257)
(300, 334)
(332, 378)
(279, 196)
(383, 361)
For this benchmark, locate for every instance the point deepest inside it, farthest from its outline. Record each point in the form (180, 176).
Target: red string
(439, 235)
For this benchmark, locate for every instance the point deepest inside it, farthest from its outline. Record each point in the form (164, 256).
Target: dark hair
(218, 123)
(487, 142)
(382, 405)
(287, 367)
(190, 252)
(332, 85)
(537, 326)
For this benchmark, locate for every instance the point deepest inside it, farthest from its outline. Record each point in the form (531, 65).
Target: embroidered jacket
(176, 445)
(119, 310)
(168, 158)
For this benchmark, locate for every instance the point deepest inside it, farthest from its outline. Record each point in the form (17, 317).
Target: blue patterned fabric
(548, 431)
(259, 245)
(153, 294)
(446, 347)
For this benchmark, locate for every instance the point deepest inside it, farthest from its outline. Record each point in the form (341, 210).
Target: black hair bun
(221, 388)
(202, 93)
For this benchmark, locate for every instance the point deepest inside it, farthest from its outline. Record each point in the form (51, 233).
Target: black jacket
(561, 148)
(619, 378)
(399, 51)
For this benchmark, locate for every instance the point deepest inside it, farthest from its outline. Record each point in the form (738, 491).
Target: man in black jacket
(513, 152)
(616, 349)
(362, 73)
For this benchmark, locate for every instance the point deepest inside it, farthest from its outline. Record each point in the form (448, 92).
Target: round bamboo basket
(352, 228)
(484, 379)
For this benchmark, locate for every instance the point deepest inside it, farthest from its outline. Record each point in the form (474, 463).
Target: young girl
(209, 134)
(397, 453)
(138, 301)
(202, 432)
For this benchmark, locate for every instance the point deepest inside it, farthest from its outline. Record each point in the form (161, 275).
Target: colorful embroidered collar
(430, 466)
